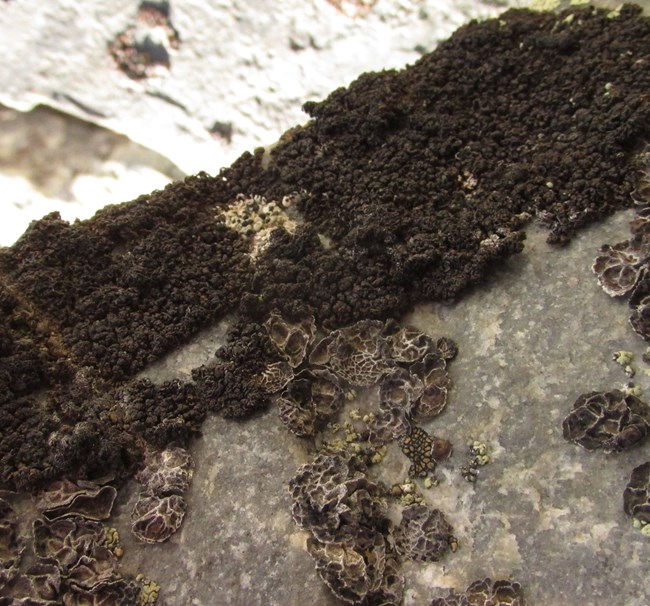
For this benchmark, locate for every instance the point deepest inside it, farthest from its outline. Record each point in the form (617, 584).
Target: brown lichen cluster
(617, 420)
(407, 368)
(423, 534)
(356, 547)
(636, 498)
(358, 550)
(160, 508)
(72, 558)
(485, 592)
(609, 420)
(623, 269)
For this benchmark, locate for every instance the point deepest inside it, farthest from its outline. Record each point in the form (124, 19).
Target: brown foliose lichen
(84, 570)
(619, 267)
(65, 498)
(345, 514)
(310, 400)
(623, 269)
(423, 534)
(485, 592)
(610, 420)
(160, 508)
(12, 545)
(636, 498)
(70, 559)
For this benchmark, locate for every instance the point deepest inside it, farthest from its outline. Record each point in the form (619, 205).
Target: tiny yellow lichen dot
(623, 357)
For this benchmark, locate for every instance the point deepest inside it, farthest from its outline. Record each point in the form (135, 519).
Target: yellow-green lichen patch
(407, 493)
(544, 5)
(622, 357)
(149, 592)
(112, 541)
(632, 389)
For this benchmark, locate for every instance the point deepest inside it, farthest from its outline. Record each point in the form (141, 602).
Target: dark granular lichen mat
(407, 187)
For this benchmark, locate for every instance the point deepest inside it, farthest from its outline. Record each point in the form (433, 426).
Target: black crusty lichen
(407, 186)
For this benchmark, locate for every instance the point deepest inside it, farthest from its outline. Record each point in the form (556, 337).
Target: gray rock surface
(51, 161)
